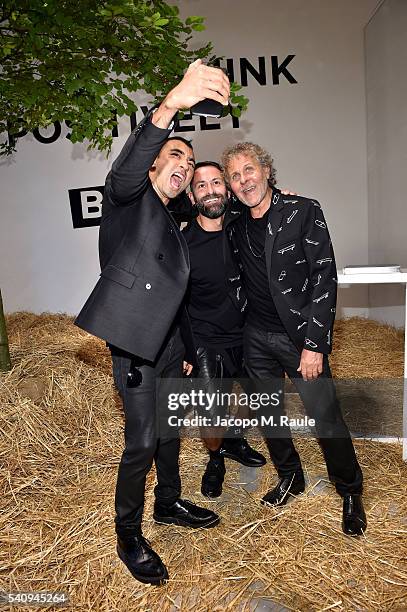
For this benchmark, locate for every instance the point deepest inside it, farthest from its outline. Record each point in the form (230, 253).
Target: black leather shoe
(186, 514)
(141, 560)
(213, 477)
(354, 520)
(239, 450)
(287, 487)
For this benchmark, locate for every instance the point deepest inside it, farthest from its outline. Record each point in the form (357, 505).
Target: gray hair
(255, 152)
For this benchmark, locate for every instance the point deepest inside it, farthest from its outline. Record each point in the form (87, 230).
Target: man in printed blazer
(288, 267)
(137, 307)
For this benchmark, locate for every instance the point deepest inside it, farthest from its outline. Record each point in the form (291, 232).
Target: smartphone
(207, 108)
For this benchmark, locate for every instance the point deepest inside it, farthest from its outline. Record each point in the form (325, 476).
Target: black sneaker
(141, 560)
(185, 514)
(213, 477)
(240, 450)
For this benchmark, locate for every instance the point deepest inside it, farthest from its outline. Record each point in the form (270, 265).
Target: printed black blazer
(300, 265)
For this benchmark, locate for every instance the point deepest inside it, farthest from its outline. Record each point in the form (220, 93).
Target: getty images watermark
(212, 407)
(369, 408)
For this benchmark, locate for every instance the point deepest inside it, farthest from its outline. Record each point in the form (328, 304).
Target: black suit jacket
(143, 256)
(301, 268)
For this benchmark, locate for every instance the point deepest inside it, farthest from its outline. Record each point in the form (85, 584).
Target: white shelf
(366, 278)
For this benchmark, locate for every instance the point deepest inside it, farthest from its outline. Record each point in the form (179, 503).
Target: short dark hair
(214, 164)
(184, 140)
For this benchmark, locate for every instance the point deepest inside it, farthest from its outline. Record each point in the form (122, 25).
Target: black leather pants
(268, 356)
(217, 370)
(143, 440)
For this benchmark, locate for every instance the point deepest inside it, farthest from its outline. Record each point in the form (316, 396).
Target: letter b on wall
(86, 206)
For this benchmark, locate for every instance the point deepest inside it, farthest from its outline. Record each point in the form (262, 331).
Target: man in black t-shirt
(216, 305)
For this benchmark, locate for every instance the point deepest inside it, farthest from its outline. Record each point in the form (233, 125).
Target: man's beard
(214, 211)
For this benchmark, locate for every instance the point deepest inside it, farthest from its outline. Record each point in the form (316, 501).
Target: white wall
(386, 84)
(316, 130)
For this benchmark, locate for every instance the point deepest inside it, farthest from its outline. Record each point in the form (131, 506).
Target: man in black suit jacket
(137, 307)
(289, 274)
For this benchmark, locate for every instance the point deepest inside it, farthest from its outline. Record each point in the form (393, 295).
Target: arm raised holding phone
(200, 83)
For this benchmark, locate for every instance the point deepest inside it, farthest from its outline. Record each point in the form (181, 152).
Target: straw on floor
(61, 442)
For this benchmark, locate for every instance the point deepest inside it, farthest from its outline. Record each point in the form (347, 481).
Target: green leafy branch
(81, 61)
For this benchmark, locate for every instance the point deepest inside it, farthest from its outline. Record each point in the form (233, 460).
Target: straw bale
(363, 348)
(59, 453)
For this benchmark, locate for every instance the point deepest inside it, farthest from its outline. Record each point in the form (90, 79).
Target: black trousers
(268, 356)
(144, 441)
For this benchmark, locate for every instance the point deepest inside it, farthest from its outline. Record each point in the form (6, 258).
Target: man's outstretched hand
(199, 82)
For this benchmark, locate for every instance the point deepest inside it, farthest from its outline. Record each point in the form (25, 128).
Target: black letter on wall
(184, 128)
(48, 139)
(245, 67)
(281, 69)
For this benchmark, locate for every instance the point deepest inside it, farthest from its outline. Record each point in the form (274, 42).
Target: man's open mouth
(176, 180)
(249, 189)
(212, 200)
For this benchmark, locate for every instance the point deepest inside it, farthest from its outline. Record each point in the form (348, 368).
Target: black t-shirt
(214, 318)
(251, 236)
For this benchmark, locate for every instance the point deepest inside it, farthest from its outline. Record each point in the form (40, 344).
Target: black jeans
(144, 442)
(268, 356)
